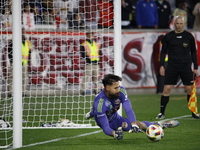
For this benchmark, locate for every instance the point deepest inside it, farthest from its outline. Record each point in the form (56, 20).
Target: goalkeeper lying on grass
(105, 107)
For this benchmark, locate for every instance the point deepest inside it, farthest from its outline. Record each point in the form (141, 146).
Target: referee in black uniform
(181, 49)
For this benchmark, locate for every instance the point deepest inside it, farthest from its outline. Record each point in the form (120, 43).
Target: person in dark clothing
(78, 22)
(181, 49)
(126, 12)
(133, 14)
(2, 6)
(164, 14)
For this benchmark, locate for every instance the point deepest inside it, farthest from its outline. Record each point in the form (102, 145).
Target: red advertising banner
(55, 58)
(140, 56)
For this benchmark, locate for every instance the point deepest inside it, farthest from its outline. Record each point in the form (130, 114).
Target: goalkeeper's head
(111, 85)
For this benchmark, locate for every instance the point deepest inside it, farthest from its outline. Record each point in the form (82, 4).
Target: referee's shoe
(160, 116)
(195, 116)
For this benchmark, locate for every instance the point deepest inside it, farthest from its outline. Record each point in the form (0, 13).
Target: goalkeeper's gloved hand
(134, 128)
(87, 116)
(118, 134)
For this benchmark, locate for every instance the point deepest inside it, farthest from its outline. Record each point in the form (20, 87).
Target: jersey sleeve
(104, 124)
(193, 52)
(163, 50)
(127, 105)
(101, 117)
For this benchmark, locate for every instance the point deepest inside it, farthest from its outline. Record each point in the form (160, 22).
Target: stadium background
(56, 63)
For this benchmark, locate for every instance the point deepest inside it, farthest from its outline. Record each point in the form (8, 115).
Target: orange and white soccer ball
(155, 133)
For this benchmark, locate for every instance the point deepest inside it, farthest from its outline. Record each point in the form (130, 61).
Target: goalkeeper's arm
(103, 123)
(89, 115)
(118, 134)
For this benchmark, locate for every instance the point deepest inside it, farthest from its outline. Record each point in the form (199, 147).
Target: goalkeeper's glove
(88, 116)
(118, 134)
(134, 128)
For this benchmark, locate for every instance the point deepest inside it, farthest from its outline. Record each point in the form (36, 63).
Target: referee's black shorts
(173, 71)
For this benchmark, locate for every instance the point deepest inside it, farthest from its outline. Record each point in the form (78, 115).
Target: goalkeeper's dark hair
(109, 79)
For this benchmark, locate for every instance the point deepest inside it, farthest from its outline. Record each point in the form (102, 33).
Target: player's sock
(147, 123)
(188, 97)
(163, 103)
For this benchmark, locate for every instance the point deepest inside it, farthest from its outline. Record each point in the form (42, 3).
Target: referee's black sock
(188, 97)
(163, 103)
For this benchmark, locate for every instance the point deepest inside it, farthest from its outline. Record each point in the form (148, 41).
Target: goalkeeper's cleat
(134, 128)
(168, 124)
(160, 116)
(141, 131)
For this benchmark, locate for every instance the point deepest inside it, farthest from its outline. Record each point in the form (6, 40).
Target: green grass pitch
(184, 137)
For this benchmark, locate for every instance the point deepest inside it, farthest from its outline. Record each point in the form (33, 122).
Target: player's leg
(164, 101)
(145, 124)
(24, 79)
(10, 80)
(95, 72)
(126, 125)
(168, 124)
(120, 122)
(171, 76)
(86, 77)
(164, 124)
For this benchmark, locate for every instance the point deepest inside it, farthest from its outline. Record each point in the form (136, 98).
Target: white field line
(177, 118)
(54, 140)
(86, 134)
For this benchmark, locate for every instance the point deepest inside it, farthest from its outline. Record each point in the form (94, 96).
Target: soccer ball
(155, 133)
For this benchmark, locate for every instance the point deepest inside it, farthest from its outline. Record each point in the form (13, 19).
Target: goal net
(52, 78)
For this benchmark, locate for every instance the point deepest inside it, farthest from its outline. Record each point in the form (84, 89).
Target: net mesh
(53, 75)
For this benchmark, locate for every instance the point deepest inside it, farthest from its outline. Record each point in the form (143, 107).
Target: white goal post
(52, 97)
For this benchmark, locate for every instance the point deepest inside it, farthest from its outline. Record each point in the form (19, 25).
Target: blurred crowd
(93, 14)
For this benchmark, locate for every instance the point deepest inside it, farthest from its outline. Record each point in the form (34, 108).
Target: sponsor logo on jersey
(117, 102)
(185, 45)
(179, 37)
(124, 125)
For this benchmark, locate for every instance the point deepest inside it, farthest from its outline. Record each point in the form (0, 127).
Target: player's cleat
(160, 116)
(168, 124)
(134, 128)
(195, 116)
